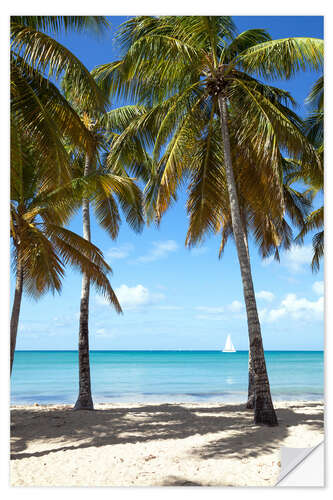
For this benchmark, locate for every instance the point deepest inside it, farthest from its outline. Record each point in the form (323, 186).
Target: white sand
(206, 444)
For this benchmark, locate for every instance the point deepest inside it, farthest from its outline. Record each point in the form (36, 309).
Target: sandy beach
(174, 444)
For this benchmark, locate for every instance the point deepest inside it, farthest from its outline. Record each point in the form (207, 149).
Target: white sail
(229, 346)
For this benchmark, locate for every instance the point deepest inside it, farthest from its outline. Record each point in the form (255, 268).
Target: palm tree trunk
(84, 400)
(16, 311)
(264, 412)
(250, 391)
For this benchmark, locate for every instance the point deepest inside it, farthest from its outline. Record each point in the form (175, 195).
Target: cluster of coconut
(216, 83)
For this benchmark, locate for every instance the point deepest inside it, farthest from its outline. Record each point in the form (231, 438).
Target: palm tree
(108, 188)
(41, 123)
(271, 233)
(105, 190)
(50, 123)
(42, 246)
(194, 71)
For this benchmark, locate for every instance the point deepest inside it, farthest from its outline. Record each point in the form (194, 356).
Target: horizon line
(163, 349)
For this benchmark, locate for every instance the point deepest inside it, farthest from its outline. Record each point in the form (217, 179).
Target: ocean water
(169, 376)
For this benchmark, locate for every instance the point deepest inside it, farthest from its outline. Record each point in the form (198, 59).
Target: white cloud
(265, 295)
(295, 308)
(235, 306)
(318, 287)
(119, 252)
(136, 297)
(296, 259)
(160, 250)
(275, 314)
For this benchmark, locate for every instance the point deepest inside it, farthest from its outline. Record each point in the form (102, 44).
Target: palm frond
(57, 24)
(283, 58)
(318, 250)
(44, 54)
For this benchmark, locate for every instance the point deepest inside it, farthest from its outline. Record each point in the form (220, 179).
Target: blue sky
(180, 299)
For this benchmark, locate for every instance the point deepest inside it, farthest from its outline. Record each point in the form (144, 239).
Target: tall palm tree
(194, 71)
(271, 232)
(42, 246)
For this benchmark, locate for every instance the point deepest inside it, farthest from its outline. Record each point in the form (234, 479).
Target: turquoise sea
(139, 376)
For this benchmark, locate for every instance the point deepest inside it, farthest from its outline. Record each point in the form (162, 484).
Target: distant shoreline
(165, 350)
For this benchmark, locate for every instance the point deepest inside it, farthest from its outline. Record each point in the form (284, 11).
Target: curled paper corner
(302, 466)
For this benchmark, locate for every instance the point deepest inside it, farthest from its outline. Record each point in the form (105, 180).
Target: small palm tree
(195, 72)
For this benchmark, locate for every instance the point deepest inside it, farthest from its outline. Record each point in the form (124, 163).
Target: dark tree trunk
(250, 391)
(16, 311)
(264, 412)
(84, 400)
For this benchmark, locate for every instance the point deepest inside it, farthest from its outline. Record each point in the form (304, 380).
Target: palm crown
(177, 66)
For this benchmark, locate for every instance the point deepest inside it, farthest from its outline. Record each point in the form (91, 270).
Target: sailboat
(229, 346)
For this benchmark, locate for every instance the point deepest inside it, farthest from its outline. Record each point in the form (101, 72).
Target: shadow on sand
(61, 427)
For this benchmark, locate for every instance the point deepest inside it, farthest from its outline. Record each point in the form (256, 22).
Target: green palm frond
(42, 268)
(316, 95)
(44, 54)
(314, 128)
(107, 213)
(59, 23)
(120, 118)
(314, 123)
(315, 220)
(38, 103)
(318, 247)
(244, 41)
(283, 58)
(208, 195)
(129, 198)
(82, 254)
